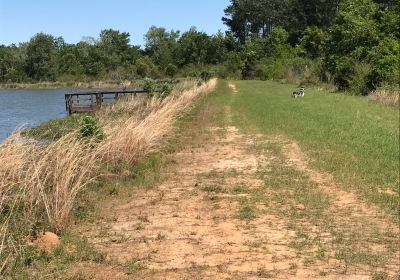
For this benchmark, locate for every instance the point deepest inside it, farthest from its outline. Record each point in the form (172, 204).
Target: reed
(386, 96)
(141, 133)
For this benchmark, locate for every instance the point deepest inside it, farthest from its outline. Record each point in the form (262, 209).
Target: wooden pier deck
(86, 102)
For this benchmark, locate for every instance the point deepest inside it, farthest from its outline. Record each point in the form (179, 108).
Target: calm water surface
(27, 108)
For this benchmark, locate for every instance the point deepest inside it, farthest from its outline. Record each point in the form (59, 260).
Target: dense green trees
(40, 54)
(161, 46)
(351, 43)
(12, 66)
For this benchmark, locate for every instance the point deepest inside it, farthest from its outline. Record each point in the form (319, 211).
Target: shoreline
(61, 85)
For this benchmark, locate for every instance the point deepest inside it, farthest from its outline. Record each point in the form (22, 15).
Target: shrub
(89, 128)
(385, 63)
(232, 67)
(358, 81)
(274, 68)
(144, 66)
(206, 75)
(166, 88)
(171, 70)
(149, 85)
(342, 70)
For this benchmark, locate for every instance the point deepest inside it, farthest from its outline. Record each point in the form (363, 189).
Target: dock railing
(84, 102)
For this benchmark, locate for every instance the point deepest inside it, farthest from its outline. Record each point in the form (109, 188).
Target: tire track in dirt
(372, 230)
(233, 87)
(342, 199)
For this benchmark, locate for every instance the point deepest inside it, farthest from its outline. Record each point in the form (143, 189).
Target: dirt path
(219, 215)
(189, 226)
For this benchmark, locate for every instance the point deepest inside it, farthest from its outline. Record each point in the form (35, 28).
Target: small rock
(114, 239)
(47, 241)
(300, 207)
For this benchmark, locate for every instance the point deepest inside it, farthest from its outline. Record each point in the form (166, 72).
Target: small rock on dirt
(47, 241)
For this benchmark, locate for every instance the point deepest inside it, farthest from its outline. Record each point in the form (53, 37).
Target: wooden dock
(86, 102)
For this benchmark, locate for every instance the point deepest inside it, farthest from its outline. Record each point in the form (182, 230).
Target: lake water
(27, 108)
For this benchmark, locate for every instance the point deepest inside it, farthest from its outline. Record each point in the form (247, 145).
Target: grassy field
(353, 138)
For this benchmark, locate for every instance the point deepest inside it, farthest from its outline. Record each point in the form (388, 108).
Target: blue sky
(74, 19)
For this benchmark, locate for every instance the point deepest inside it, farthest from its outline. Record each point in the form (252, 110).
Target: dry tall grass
(386, 96)
(41, 182)
(136, 136)
(38, 186)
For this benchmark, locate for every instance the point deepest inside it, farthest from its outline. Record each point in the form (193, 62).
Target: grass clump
(239, 189)
(36, 263)
(213, 188)
(386, 95)
(134, 265)
(247, 212)
(264, 273)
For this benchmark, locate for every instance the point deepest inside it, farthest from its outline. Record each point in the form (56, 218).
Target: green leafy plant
(89, 128)
(206, 75)
(149, 85)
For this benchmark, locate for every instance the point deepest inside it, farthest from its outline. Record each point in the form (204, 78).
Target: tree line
(353, 44)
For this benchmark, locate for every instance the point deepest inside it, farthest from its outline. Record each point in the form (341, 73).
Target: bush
(54, 129)
(149, 85)
(171, 70)
(166, 88)
(385, 63)
(353, 75)
(144, 66)
(274, 68)
(342, 70)
(358, 81)
(206, 75)
(89, 128)
(232, 66)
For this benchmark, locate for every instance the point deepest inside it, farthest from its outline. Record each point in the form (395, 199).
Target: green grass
(34, 264)
(134, 265)
(247, 212)
(351, 137)
(54, 129)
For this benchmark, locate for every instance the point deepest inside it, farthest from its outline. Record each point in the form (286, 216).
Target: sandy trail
(187, 232)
